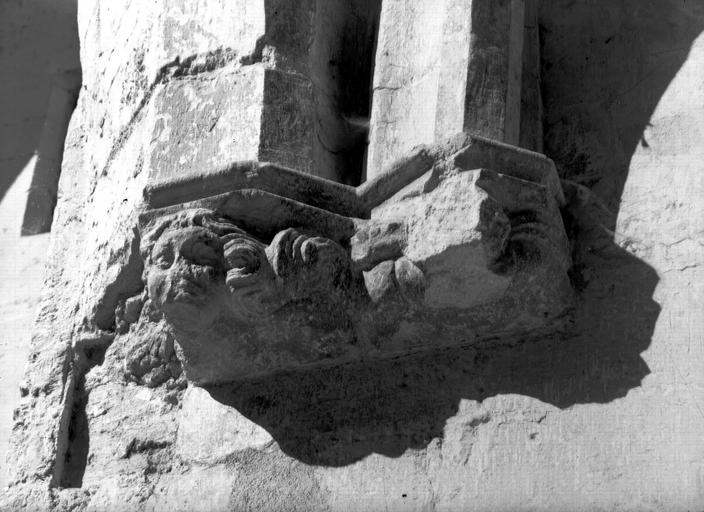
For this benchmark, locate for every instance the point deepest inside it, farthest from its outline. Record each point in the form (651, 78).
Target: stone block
(192, 123)
(284, 101)
(202, 489)
(258, 280)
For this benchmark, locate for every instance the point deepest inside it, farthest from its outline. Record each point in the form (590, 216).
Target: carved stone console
(259, 268)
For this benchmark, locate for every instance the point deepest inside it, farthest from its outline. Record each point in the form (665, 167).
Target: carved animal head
(199, 267)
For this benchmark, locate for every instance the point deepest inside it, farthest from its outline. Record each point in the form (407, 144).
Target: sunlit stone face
(184, 276)
(201, 268)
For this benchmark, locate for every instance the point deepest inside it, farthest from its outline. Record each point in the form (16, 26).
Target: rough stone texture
(604, 415)
(22, 261)
(531, 122)
(280, 81)
(38, 45)
(253, 282)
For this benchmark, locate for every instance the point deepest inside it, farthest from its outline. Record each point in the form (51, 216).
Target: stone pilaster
(443, 68)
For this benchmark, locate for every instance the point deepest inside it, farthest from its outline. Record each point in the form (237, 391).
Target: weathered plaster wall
(38, 44)
(604, 417)
(623, 100)
(22, 271)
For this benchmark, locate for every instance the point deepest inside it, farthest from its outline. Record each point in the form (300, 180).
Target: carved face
(308, 265)
(184, 276)
(253, 289)
(201, 267)
(294, 267)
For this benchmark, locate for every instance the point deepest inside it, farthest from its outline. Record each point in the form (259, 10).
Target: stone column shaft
(442, 68)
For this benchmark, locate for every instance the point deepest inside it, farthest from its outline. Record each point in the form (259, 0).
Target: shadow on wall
(38, 51)
(341, 73)
(605, 68)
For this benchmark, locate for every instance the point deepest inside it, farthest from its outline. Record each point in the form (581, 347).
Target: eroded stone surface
(600, 415)
(453, 256)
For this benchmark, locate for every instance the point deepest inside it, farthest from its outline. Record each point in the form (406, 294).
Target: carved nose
(187, 272)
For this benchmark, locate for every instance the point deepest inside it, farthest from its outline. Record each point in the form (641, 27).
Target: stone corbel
(260, 268)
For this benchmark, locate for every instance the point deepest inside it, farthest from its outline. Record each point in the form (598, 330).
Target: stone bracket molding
(470, 151)
(259, 268)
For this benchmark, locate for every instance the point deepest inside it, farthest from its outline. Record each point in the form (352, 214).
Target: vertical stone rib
(454, 68)
(512, 122)
(531, 136)
(442, 68)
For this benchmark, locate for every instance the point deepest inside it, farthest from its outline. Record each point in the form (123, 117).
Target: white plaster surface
(21, 276)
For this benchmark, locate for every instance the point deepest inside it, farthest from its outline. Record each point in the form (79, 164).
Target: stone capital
(282, 270)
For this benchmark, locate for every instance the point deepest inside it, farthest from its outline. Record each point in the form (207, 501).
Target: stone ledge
(469, 152)
(266, 269)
